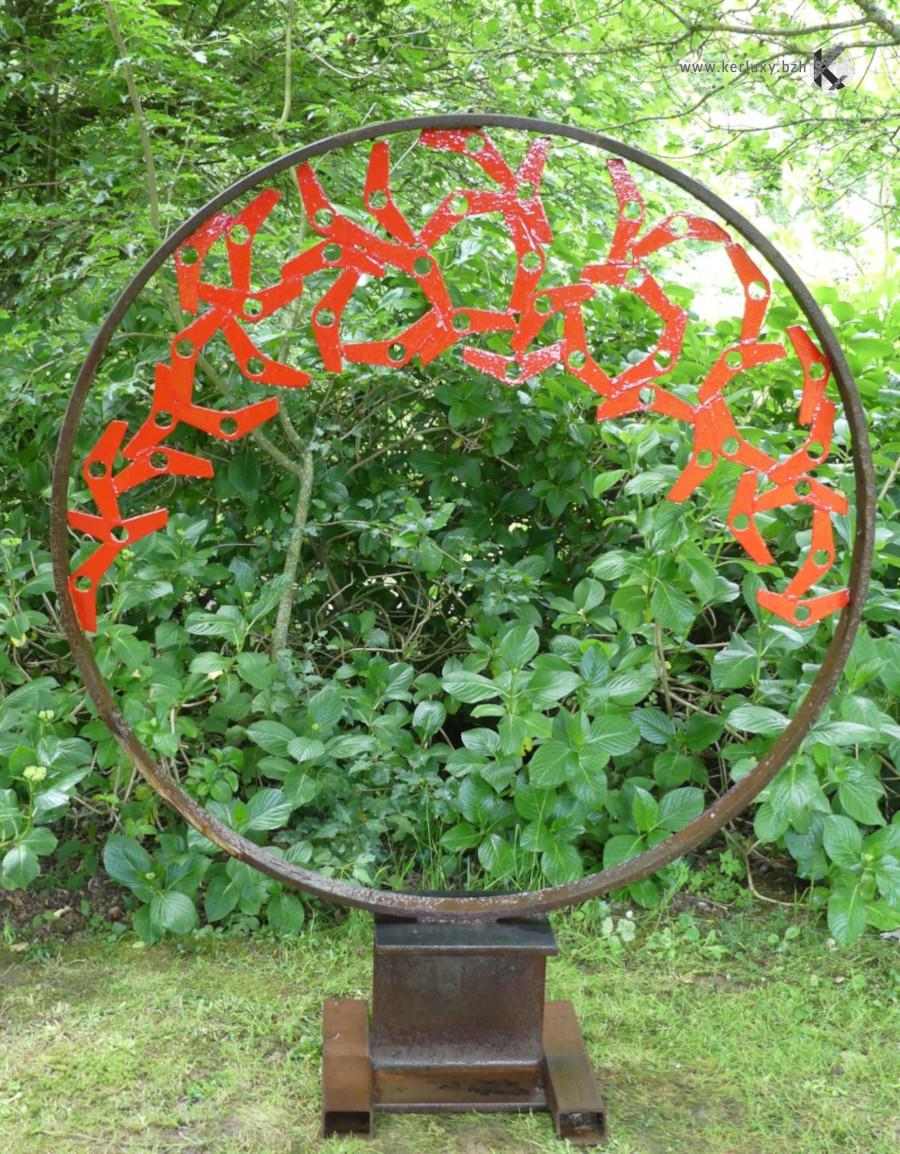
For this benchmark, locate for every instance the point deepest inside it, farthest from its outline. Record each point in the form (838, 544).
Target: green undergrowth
(743, 1034)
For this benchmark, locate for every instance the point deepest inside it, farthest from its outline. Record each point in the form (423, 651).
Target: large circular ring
(479, 906)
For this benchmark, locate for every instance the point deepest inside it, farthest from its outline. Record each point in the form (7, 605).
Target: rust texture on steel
(353, 252)
(459, 1023)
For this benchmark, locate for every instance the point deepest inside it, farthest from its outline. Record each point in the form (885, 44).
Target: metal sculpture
(427, 1053)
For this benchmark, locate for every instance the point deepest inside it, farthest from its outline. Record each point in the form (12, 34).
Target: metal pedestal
(459, 1023)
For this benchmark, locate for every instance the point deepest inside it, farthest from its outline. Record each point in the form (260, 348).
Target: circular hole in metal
(228, 426)
(474, 142)
(662, 358)
(253, 307)
(532, 261)
(816, 450)
(184, 347)
(706, 458)
(240, 234)
(822, 558)
(332, 252)
(513, 371)
(119, 533)
(632, 210)
(647, 395)
(734, 359)
(526, 190)
(803, 488)
(397, 352)
(635, 277)
(159, 460)
(730, 446)
(679, 225)
(97, 469)
(543, 304)
(378, 198)
(757, 290)
(82, 584)
(256, 366)
(817, 370)
(576, 359)
(741, 522)
(325, 317)
(801, 613)
(422, 265)
(163, 419)
(189, 255)
(323, 218)
(459, 204)
(461, 322)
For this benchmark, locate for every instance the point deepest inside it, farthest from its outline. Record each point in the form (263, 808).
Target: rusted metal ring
(483, 906)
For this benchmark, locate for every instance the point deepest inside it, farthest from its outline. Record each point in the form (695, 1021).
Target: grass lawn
(748, 1034)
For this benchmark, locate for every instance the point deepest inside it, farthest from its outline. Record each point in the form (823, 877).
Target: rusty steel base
(459, 1023)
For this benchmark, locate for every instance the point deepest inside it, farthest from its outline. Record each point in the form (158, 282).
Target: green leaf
(271, 736)
(644, 810)
(632, 686)
(859, 794)
(847, 913)
(306, 749)
(428, 718)
(561, 863)
(497, 856)
(734, 667)
(552, 764)
(616, 733)
(548, 686)
(839, 733)
(606, 480)
(680, 807)
(326, 706)
(173, 911)
(460, 837)
(221, 898)
(518, 644)
(887, 878)
(267, 809)
(469, 687)
(843, 841)
(672, 609)
(19, 868)
(285, 913)
(620, 848)
(126, 861)
(654, 725)
(756, 719)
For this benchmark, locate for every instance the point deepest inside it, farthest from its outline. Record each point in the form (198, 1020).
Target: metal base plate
(355, 1085)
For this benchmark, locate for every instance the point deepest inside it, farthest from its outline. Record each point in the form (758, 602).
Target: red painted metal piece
(354, 252)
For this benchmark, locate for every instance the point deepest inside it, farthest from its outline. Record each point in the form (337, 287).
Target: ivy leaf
(497, 856)
(654, 725)
(307, 749)
(672, 609)
(620, 848)
(548, 686)
(326, 706)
